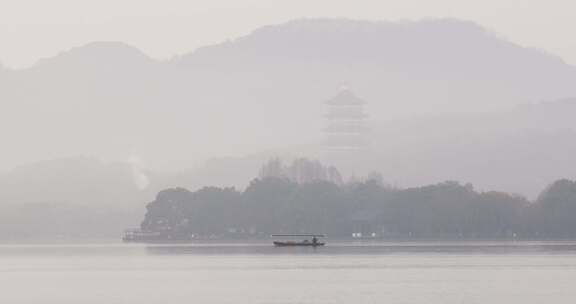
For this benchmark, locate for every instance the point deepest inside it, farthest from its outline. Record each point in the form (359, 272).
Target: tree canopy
(447, 210)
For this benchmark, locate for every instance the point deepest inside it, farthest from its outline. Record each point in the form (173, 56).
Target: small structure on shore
(140, 236)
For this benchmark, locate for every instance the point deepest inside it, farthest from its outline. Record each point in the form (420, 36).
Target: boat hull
(297, 244)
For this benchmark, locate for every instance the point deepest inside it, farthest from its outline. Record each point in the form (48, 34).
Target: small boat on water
(292, 243)
(313, 242)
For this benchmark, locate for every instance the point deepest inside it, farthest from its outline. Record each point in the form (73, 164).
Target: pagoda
(346, 128)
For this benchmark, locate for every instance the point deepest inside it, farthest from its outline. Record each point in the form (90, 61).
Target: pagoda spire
(346, 121)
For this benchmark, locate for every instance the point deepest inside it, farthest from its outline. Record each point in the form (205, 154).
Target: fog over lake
(435, 273)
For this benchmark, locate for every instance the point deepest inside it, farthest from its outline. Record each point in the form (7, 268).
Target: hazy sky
(32, 29)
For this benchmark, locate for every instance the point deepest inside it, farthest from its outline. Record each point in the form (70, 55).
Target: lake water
(259, 273)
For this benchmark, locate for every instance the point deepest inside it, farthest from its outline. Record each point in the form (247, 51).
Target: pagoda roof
(345, 98)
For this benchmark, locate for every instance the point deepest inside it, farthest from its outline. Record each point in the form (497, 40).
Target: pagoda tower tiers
(346, 128)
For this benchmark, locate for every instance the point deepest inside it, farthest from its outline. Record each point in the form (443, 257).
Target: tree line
(368, 208)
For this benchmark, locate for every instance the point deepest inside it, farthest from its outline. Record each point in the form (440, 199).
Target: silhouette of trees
(447, 210)
(301, 170)
(554, 213)
(179, 213)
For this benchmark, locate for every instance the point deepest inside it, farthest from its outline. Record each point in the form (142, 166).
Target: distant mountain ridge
(118, 52)
(244, 96)
(309, 38)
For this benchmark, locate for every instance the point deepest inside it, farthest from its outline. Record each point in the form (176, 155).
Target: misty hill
(262, 91)
(518, 151)
(69, 198)
(385, 59)
(80, 180)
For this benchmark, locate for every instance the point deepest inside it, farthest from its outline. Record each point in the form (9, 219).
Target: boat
(292, 243)
(314, 242)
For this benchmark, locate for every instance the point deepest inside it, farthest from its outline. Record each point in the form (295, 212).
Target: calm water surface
(259, 273)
